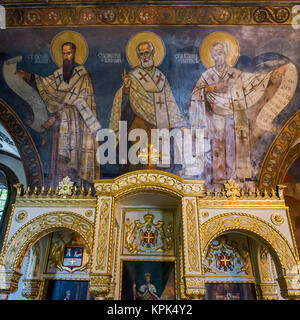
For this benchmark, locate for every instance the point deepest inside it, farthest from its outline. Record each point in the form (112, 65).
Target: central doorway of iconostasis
(147, 256)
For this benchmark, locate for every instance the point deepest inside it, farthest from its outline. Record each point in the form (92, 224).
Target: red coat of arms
(224, 261)
(73, 257)
(148, 238)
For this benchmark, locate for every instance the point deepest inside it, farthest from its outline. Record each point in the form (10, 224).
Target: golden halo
(69, 36)
(232, 46)
(134, 41)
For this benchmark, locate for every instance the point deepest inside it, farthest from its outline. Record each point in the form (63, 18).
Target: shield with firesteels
(73, 258)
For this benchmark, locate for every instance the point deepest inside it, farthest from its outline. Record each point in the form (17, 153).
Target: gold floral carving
(65, 187)
(66, 194)
(277, 219)
(21, 216)
(88, 213)
(26, 236)
(232, 189)
(195, 287)
(31, 288)
(239, 221)
(205, 214)
(103, 233)
(100, 284)
(288, 288)
(231, 194)
(192, 242)
(269, 291)
(149, 179)
(264, 264)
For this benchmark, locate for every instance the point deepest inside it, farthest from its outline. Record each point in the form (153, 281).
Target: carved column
(290, 286)
(101, 271)
(32, 282)
(194, 281)
(267, 282)
(100, 285)
(269, 291)
(195, 287)
(9, 280)
(31, 288)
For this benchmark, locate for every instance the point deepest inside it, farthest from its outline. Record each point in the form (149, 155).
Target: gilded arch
(282, 153)
(14, 253)
(26, 147)
(149, 180)
(247, 223)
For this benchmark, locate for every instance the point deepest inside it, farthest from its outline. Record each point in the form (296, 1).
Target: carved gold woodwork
(232, 189)
(21, 216)
(14, 253)
(149, 179)
(100, 284)
(192, 242)
(136, 233)
(195, 235)
(194, 287)
(288, 288)
(281, 154)
(269, 291)
(9, 280)
(277, 219)
(89, 213)
(31, 288)
(249, 223)
(264, 264)
(239, 255)
(103, 241)
(62, 196)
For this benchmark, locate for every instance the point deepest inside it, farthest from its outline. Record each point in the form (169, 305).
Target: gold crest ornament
(74, 256)
(148, 237)
(277, 219)
(213, 38)
(147, 36)
(69, 36)
(21, 216)
(224, 255)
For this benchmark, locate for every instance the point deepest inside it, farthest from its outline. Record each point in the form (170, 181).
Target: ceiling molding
(148, 14)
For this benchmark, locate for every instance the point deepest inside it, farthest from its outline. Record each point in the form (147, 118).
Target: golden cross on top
(149, 154)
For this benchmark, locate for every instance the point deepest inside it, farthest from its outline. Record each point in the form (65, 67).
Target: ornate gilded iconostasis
(160, 145)
(149, 229)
